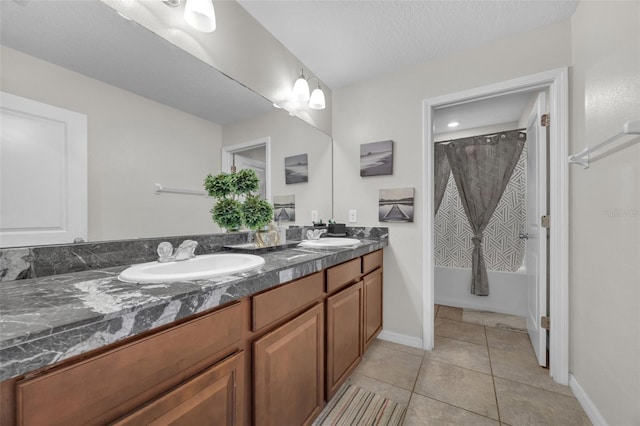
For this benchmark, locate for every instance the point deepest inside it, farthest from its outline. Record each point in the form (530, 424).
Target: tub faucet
(185, 251)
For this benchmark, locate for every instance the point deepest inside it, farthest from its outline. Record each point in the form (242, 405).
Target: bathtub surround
(482, 167)
(45, 320)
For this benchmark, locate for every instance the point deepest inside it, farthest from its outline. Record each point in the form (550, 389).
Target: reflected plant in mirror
(229, 211)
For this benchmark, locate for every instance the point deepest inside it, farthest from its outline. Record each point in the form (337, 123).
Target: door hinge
(545, 221)
(545, 322)
(545, 120)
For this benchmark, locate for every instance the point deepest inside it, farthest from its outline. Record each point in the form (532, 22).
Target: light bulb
(317, 99)
(200, 15)
(301, 89)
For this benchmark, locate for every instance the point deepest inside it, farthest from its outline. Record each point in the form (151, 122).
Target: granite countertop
(49, 319)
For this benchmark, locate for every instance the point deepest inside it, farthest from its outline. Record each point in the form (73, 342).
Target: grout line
(455, 406)
(493, 378)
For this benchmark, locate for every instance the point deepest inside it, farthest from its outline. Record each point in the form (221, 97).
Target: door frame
(229, 150)
(557, 83)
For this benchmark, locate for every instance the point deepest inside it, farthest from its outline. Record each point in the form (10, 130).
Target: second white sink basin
(199, 268)
(330, 242)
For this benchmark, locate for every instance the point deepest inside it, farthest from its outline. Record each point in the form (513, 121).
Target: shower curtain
(481, 167)
(441, 175)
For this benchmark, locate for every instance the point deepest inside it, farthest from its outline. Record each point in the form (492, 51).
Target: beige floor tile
(493, 319)
(426, 411)
(450, 312)
(467, 389)
(393, 393)
(397, 347)
(391, 366)
(471, 333)
(527, 405)
(508, 340)
(461, 354)
(521, 366)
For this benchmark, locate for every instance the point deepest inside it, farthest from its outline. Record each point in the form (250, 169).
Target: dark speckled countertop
(49, 319)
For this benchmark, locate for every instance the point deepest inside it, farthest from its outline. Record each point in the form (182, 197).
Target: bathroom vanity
(268, 347)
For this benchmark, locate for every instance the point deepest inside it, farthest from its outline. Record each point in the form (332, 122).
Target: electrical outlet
(314, 215)
(353, 216)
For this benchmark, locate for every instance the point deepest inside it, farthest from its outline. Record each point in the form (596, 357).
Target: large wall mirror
(155, 115)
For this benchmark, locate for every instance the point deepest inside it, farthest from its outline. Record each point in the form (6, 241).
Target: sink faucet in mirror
(314, 234)
(185, 251)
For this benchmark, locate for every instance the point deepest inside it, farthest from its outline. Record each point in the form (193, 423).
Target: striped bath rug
(355, 406)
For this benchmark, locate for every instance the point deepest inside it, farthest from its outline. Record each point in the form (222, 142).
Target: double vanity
(268, 345)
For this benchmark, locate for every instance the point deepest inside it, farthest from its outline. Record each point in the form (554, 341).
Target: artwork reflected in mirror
(296, 169)
(284, 207)
(396, 205)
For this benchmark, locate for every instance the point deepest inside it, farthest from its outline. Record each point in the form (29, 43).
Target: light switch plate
(314, 215)
(353, 216)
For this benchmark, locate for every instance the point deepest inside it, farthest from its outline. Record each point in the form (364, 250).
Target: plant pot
(267, 238)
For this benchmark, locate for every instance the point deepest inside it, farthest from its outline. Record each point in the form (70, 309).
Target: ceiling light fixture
(301, 92)
(199, 14)
(453, 124)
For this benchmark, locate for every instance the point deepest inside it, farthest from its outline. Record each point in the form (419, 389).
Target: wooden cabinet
(372, 285)
(213, 397)
(104, 387)
(289, 371)
(301, 340)
(344, 335)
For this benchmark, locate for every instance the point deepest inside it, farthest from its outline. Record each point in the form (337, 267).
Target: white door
(536, 243)
(43, 173)
(258, 167)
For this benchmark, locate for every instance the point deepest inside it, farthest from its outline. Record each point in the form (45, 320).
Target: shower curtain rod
(483, 136)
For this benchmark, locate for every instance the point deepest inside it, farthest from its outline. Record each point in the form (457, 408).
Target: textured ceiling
(347, 41)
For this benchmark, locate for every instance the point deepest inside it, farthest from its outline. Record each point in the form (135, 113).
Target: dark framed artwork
(396, 205)
(376, 158)
(296, 169)
(284, 208)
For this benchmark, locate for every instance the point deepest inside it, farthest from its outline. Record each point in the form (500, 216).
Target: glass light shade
(200, 15)
(317, 99)
(301, 89)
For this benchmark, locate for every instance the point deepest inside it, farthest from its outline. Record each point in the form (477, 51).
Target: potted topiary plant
(231, 211)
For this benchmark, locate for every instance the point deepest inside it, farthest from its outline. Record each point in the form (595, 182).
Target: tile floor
(482, 371)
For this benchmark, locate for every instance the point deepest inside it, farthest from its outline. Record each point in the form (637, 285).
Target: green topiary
(229, 212)
(246, 181)
(256, 212)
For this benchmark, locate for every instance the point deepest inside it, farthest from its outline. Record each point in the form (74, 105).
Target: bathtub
(507, 291)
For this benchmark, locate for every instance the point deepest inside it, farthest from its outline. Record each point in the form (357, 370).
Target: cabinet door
(344, 335)
(213, 397)
(289, 371)
(372, 306)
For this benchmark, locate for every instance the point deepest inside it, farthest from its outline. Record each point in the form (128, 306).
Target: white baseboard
(401, 339)
(587, 404)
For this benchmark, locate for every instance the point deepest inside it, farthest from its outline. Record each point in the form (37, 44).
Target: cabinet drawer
(371, 261)
(107, 386)
(212, 397)
(343, 274)
(278, 303)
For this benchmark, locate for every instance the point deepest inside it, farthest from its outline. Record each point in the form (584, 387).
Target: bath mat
(355, 406)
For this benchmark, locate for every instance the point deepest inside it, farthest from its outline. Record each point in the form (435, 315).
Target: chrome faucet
(185, 251)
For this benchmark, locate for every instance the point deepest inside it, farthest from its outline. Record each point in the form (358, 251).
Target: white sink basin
(198, 268)
(330, 242)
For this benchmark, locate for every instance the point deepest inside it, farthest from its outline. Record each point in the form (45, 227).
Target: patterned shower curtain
(481, 167)
(441, 175)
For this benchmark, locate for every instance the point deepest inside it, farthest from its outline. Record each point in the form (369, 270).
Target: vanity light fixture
(301, 92)
(453, 124)
(199, 14)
